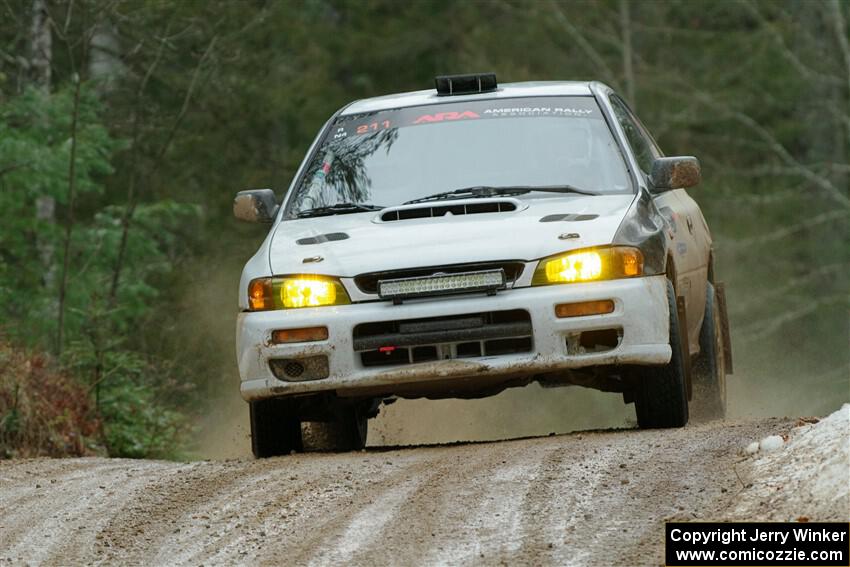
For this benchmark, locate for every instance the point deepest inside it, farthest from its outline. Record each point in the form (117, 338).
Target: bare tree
(39, 65)
(626, 32)
(69, 219)
(41, 45)
(132, 197)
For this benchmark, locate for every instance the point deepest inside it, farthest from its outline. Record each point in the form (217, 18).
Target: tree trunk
(628, 71)
(41, 45)
(69, 222)
(40, 61)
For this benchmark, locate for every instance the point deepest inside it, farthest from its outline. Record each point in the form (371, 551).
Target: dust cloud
(209, 314)
(516, 412)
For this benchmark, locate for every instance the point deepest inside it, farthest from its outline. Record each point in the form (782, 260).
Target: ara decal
(444, 116)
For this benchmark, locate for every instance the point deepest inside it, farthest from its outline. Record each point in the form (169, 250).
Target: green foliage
(34, 155)
(139, 425)
(137, 422)
(36, 142)
(35, 132)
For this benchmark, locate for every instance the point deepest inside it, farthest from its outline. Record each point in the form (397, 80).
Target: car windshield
(390, 157)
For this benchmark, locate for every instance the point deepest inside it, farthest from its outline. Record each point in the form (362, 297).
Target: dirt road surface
(588, 498)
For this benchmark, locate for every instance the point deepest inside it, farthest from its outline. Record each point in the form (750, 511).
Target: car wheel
(661, 398)
(347, 432)
(710, 369)
(274, 428)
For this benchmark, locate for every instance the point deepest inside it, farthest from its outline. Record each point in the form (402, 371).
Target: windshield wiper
(339, 209)
(490, 191)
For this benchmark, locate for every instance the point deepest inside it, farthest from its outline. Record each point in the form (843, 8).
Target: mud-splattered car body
(462, 293)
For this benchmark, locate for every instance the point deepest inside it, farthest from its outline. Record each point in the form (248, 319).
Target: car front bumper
(640, 313)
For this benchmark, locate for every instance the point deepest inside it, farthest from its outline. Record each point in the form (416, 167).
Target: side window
(641, 146)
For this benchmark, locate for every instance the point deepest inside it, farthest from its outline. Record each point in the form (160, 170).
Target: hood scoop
(330, 237)
(568, 218)
(449, 209)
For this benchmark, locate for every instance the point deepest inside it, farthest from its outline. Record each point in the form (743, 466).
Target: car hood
(373, 245)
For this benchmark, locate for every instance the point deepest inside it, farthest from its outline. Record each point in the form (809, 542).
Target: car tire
(347, 432)
(275, 429)
(661, 397)
(710, 369)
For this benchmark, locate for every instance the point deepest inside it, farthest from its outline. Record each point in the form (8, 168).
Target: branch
(12, 14)
(585, 45)
(776, 146)
(762, 329)
(8, 58)
(628, 71)
(69, 221)
(185, 107)
(10, 168)
(786, 53)
(131, 186)
(840, 27)
(792, 283)
(131, 203)
(770, 170)
(789, 230)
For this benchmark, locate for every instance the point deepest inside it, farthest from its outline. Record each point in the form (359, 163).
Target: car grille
(439, 338)
(368, 283)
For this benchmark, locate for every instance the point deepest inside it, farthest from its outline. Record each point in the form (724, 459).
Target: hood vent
(568, 218)
(330, 237)
(429, 210)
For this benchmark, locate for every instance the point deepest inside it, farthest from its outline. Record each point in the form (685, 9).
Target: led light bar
(442, 284)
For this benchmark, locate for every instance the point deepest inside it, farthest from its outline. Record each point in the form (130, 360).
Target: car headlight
(589, 265)
(292, 292)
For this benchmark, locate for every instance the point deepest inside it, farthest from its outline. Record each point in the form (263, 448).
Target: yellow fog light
(292, 292)
(308, 292)
(589, 265)
(578, 267)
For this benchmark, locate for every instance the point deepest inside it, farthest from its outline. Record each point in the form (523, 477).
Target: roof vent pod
(474, 83)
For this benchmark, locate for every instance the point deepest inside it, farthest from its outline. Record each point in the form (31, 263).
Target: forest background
(127, 126)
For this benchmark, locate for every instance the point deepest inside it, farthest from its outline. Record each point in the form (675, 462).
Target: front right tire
(346, 432)
(660, 392)
(275, 428)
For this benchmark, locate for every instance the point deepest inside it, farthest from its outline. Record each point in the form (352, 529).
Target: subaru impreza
(457, 241)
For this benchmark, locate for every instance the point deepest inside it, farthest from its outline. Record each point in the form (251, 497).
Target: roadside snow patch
(767, 445)
(810, 477)
(770, 444)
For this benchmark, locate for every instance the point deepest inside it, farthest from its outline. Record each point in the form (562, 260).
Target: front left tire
(660, 392)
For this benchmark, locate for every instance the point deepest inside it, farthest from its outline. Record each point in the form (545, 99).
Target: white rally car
(459, 241)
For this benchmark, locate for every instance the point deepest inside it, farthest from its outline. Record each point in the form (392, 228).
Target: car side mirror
(255, 205)
(674, 173)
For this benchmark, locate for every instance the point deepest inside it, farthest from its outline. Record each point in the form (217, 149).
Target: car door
(687, 235)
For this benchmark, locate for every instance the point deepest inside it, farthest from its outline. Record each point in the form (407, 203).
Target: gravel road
(587, 498)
